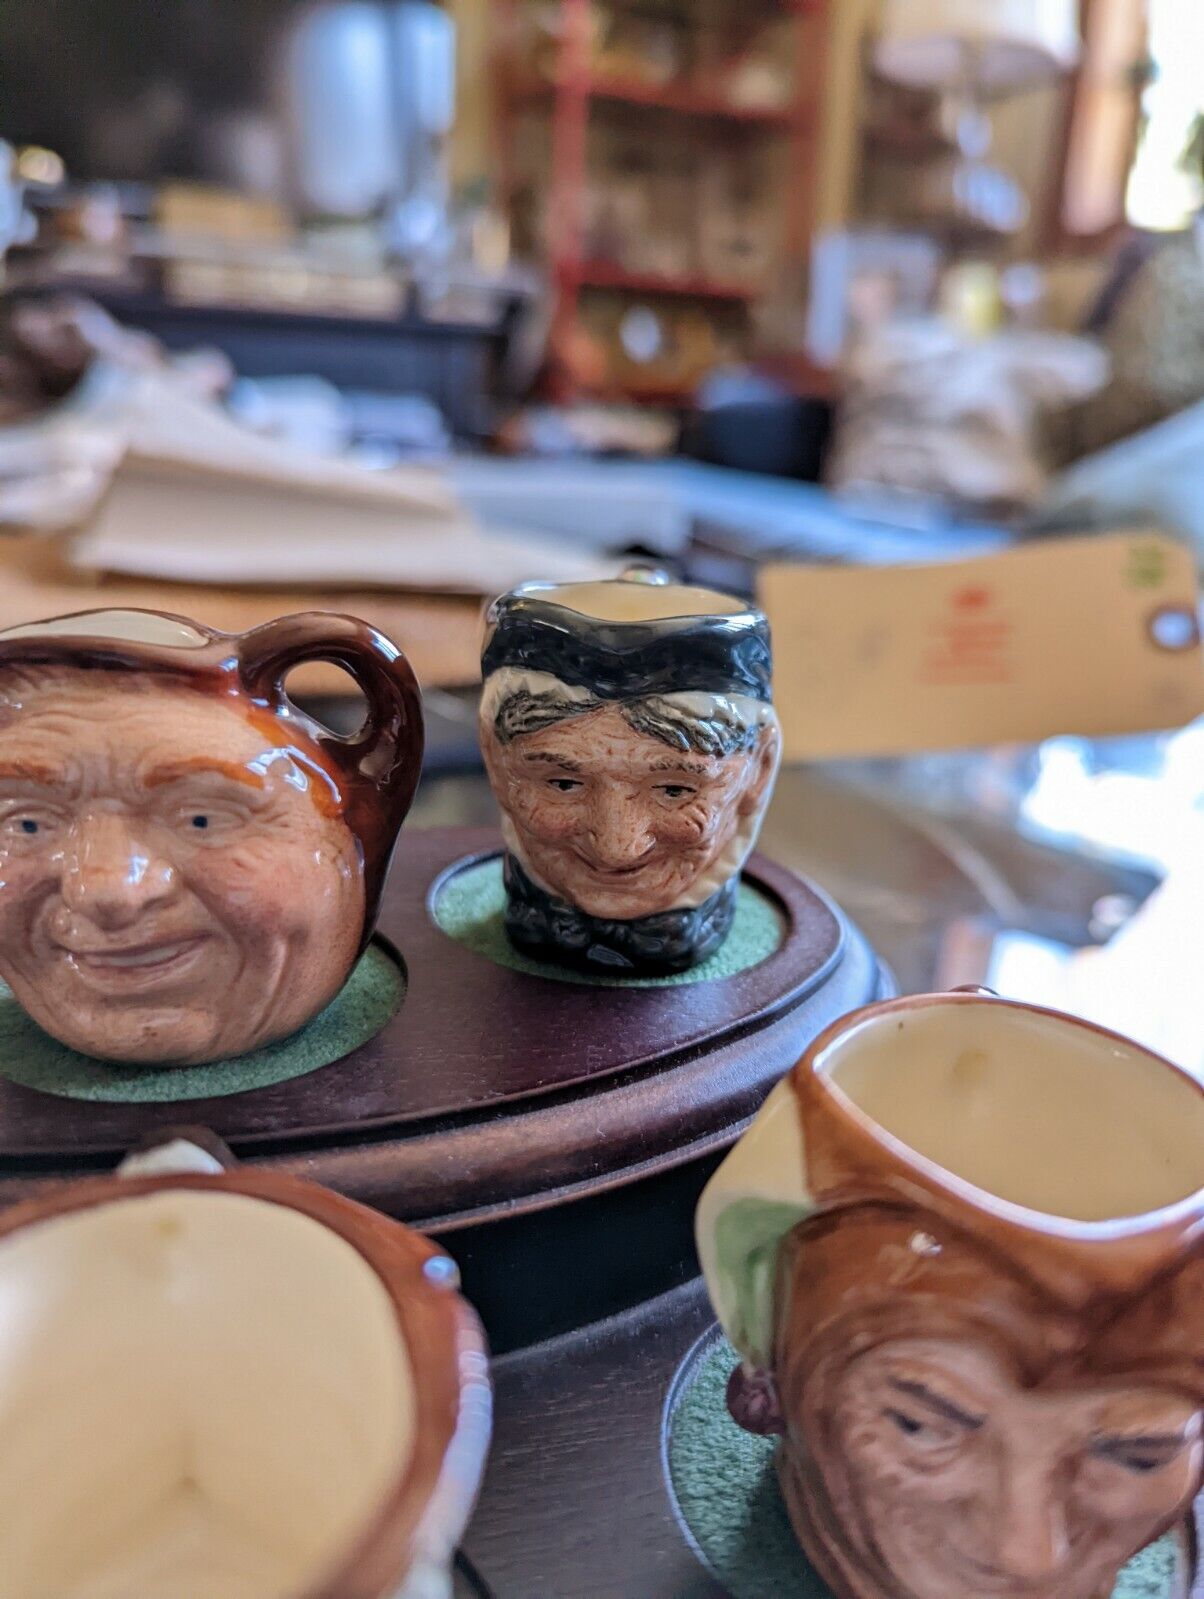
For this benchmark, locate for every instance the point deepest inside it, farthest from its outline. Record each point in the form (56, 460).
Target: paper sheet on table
(1090, 635)
(160, 419)
(171, 487)
(185, 525)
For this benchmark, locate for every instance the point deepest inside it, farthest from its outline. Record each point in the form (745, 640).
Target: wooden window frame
(1085, 87)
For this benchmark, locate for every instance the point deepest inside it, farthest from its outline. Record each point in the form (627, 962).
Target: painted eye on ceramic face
(922, 1445)
(1141, 1456)
(26, 828)
(925, 1434)
(934, 1435)
(201, 824)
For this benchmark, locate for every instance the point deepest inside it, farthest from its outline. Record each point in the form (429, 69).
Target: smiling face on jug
(629, 735)
(174, 885)
(189, 865)
(615, 818)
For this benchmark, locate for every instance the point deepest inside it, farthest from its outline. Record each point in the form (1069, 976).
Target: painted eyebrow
(21, 771)
(205, 766)
(1147, 1440)
(679, 766)
(544, 758)
(943, 1407)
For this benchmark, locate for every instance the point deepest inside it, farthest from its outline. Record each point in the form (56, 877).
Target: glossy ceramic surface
(958, 1252)
(237, 1384)
(630, 738)
(190, 865)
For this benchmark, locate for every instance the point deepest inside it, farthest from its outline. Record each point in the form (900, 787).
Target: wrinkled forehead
(50, 702)
(31, 683)
(143, 725)
(975, 1375)
(966, 1359)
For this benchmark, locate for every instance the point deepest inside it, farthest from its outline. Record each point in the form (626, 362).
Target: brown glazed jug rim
(424, 1513)
(934, 1177)
(205, 652)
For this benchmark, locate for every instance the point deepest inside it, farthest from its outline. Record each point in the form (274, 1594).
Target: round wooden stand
(556, 1134)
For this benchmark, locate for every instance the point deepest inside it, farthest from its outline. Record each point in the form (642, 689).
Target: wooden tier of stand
(554, 1133)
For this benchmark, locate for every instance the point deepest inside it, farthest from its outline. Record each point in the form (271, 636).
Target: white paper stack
(197, 497)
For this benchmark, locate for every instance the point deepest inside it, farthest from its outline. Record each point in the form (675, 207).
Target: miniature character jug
(231, 1383)
(189, 865)
(630, 738)
(959, 1253)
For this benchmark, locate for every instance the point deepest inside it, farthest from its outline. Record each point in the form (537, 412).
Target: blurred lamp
(982, 47)
(970, 52)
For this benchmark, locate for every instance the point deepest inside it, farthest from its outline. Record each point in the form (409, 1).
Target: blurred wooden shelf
(908, 141)
(758, 9)
(682, 99)
(576, 88)
(605, 275)
(672, 396)
(797, 372)
(802, 375)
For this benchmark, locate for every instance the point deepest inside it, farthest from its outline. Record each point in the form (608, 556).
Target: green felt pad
(372, 994)
(471, 906)
(726, 1492)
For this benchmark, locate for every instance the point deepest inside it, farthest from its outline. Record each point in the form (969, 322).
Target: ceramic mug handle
(385, 756)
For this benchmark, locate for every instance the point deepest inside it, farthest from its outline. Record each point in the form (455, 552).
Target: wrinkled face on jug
(627, 809)
(175, 883)
(966, 1482)
(982, 1339)
(922, 1432)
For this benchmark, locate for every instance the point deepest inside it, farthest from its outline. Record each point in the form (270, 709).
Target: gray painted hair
(719, 732)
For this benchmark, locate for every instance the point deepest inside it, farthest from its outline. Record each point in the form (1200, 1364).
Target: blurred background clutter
(935, 264)
(499, 286)
(388, 305)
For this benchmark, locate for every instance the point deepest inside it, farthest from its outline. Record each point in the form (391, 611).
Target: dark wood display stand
(555, 1135)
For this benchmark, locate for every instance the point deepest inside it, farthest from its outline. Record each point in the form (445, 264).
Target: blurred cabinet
(664, 164)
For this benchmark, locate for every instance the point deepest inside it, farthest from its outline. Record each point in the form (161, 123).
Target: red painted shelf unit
(574, 92)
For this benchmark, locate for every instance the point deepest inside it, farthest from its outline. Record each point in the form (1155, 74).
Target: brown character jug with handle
(189, 865)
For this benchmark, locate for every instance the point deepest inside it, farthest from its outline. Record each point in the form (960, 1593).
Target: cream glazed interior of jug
(1036, 1109)
(202, 1396)
(620, 600)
